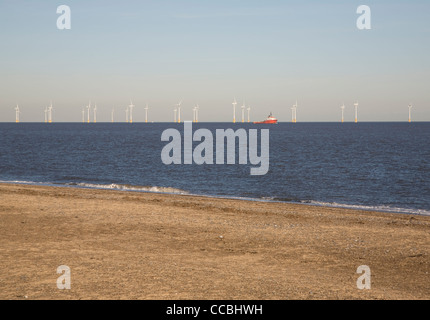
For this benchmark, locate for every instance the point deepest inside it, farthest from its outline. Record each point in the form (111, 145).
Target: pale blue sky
(208, 52)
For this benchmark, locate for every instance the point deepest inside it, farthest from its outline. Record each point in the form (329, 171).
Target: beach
(134, 245)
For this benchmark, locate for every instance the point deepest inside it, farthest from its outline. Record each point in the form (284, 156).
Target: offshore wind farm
(195, 111)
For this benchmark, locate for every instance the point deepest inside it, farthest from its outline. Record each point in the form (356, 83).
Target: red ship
(270, 119)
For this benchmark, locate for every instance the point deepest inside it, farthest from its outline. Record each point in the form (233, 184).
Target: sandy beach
(129, 245)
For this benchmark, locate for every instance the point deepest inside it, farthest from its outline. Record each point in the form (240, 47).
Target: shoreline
(136, 245)
(132, 188)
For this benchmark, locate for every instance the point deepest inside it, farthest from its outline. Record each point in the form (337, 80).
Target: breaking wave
(126, 187)
(112, 186)
(368, 208)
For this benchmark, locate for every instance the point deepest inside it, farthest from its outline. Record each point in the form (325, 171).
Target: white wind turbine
(243, 112)
(83, 115)
(294, 113)
(249, 109)
(343, 111)
(410, 112)
(17, 112)
(95, 113)
(50, 113)
(175, 111)
(196, 113)
(179, 111)
(146, 113)
(234, 110)
(88, 112)
(356, 112)
(131, 106)
(111, 115)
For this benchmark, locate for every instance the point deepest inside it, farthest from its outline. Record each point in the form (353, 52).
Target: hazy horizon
(264, 53)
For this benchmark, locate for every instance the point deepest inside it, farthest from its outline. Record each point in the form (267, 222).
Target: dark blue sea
(379, 166)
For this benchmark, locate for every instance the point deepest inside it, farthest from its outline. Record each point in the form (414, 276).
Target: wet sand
(127, 245)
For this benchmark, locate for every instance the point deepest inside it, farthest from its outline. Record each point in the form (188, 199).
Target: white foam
(114, 186)
(369, 208)
(21, 182)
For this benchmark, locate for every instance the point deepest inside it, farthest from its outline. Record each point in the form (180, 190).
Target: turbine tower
(179, 111)
(234, 110)
(343, 111)
(83, 115)
(249, 109)
(111, 115)
(175, 112)
(146, 113)
(243, 112)
(294, 113)
(131, 106)
(197, 113)
(194, 114)
(410, 110)
(356, 112)
(88, 112)
(50, 113)
(95, 113)
(17, 112)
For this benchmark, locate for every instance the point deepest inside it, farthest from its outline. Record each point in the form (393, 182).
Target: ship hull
(266, 121)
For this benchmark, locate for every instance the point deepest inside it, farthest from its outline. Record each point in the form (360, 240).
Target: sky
(266, 54)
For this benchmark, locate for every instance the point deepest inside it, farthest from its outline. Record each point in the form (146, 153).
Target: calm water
(383, 166)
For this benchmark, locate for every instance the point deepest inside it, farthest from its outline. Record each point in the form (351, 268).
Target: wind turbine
(50, 113)
(243, 112)
(83, 115)
(95, 113)
(111, 115)
(249, 109)
(356, 112)
(131, 106)
(234, 110)
(175, 112)
(179, 111)
(410, 109)
(17, 112)
(146, 113)
(294, 113)
(88, 112)
(343, 111)
(194, 114)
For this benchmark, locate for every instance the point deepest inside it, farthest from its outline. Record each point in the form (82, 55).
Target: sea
(379, 166)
